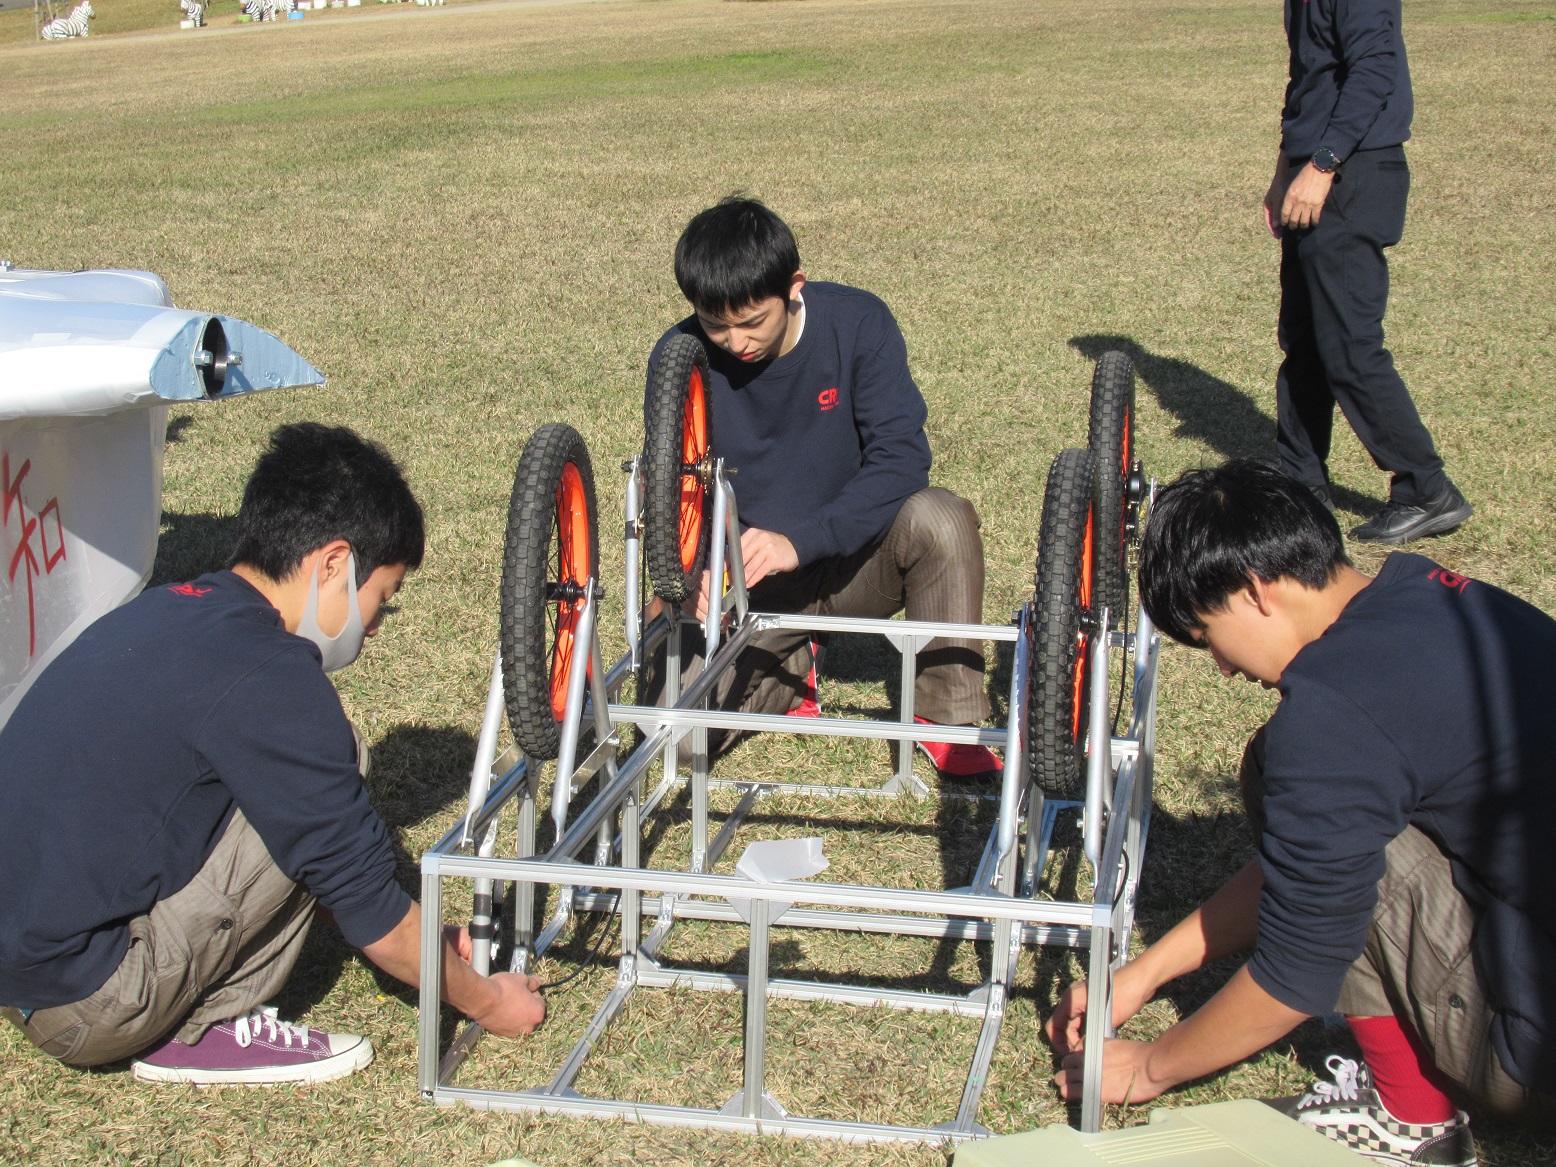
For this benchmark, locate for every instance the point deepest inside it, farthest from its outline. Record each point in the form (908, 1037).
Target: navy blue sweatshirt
(1350, 83)
(1427, 702)
(829, 438)
(121, 767)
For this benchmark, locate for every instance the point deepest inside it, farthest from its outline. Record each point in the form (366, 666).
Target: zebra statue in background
(262, 9)
(194, 10)
(68, 26)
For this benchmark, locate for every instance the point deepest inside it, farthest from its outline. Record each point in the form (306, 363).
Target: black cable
(594, 953)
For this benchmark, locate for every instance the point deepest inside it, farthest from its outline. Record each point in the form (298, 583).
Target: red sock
(1411, 1087)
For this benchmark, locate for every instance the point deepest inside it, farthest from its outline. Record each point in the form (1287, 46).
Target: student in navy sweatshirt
(1402, 800)
(811, 402)
(181, 787)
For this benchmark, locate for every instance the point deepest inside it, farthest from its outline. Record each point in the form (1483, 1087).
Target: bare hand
(700, 606)
(762, 553)
(1276, 194)
(1125, 1077)
(459, 940)
(1272, 201)
(766, 553)
(1065, 1026)
(517, 1009)
(1304, 202)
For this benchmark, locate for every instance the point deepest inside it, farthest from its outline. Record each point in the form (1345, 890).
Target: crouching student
(1403, 802)
(812, 403)
(180, 788)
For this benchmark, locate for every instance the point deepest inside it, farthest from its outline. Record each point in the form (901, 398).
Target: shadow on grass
(176, 427)
(192, 545)
(416, 772)
(423, 772)
(1208, 409)
(1188, 858)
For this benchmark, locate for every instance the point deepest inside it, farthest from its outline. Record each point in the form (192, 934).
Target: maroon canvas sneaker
(256, 1050)
(959, 761)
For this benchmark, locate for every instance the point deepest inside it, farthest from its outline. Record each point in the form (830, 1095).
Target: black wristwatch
(1324, 160)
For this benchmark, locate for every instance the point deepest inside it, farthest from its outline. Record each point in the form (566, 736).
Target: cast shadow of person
(1187, 859)
(1207, 409)
(967, 809)
(191, 546)
(416, 773)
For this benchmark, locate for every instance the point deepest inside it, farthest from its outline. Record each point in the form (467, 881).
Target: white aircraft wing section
(89, 362)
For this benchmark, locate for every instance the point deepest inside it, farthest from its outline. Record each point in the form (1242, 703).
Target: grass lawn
(465, 216)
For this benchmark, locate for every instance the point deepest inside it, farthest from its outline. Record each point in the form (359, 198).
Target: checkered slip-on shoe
(1349, 1111)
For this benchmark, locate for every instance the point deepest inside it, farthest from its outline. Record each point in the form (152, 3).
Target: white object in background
(778, 861)
(88, 363)
(76, 24)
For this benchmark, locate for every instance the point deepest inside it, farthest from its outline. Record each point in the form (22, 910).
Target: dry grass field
(465, 216)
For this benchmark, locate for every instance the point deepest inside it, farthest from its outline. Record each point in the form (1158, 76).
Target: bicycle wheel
(676, 512)
(1111, 441)
(551, 550)
(1062, 627)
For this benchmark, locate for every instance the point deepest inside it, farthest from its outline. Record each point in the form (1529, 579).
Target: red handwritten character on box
(25, 558)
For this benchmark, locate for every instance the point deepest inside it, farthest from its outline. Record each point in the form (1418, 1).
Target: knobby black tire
(1111, 441)
(531, 618)
(673, 567)
(1061, 647)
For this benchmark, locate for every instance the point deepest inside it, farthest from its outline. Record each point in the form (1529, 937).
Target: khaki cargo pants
(216, 949)
(1418, 965)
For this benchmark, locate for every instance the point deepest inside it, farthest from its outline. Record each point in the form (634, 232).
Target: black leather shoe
(1400, 523)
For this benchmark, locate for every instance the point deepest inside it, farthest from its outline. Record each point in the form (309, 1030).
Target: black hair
(735, 254)
(1211, 530)
(315, 484)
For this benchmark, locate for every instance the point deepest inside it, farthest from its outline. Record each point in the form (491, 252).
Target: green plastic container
(1222, 1134)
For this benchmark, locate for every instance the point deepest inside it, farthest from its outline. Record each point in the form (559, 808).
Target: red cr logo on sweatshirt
(827, 399)
(1449, 579)
(188, 589)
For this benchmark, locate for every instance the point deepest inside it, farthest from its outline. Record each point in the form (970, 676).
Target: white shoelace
(246, 1029)
(1346, 1085)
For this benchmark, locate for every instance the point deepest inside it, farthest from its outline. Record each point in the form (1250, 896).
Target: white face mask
(345, 646)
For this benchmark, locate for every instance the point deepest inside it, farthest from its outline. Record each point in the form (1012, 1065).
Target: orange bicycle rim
(694, 448)
(573, 568)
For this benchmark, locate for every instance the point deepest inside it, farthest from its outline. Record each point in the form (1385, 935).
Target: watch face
(1324, 160)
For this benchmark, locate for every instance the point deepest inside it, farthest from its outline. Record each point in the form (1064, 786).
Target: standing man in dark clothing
(1402, 800)
(181, 787)
(1336, 202)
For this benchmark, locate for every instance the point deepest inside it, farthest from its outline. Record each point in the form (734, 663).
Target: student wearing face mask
(180, 790)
